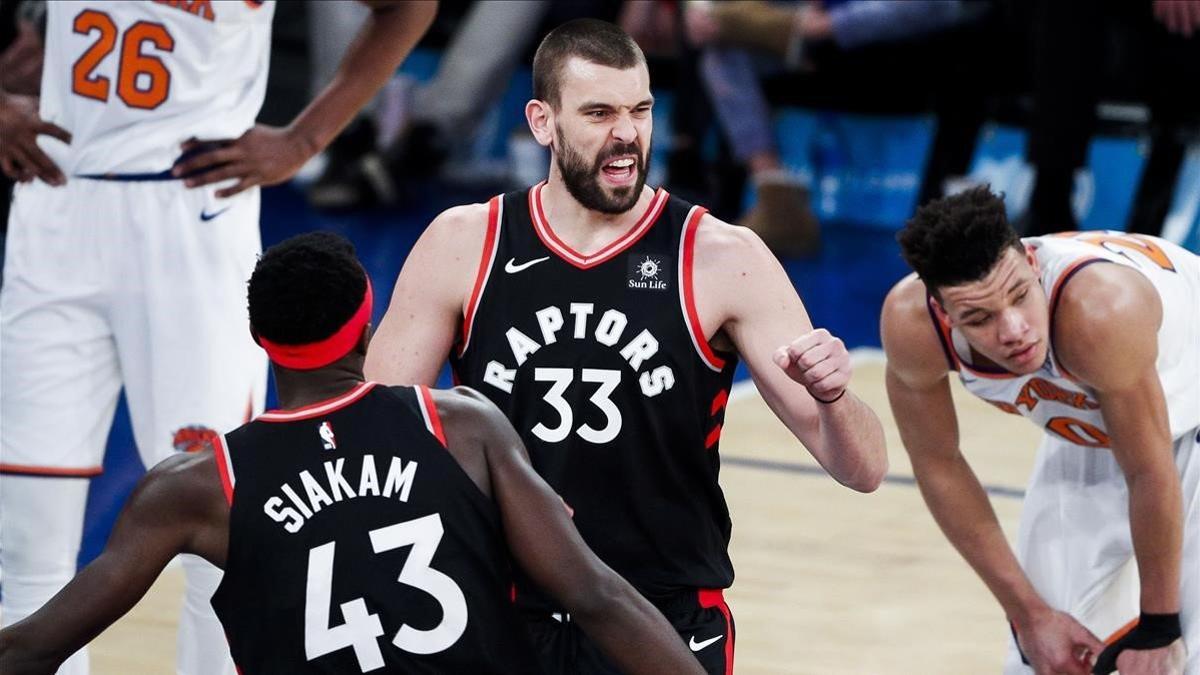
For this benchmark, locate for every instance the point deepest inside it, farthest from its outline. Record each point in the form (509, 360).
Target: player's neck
(300, 388)
(582, 228)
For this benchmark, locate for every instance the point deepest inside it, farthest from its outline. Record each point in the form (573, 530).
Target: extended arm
(545, 543)
(266, 155)
(426, 310)
(178, 507)
(919, 392)
(742, 292)
(1109, 318)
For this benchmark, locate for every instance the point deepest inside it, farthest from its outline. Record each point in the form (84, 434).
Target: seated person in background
(324, 502)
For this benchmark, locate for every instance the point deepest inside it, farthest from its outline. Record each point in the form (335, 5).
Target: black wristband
(835, 399)
(1153, 631)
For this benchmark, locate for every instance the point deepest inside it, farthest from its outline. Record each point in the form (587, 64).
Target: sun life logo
(648, 268)
(645, 273)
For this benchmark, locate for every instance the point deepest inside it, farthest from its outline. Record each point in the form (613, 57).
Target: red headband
(322, 352)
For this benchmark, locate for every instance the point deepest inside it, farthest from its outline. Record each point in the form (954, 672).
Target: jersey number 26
(143, 80)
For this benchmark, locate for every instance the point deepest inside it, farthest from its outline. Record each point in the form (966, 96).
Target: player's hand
(1056, 644)
(817, 360)
(1169, 660)
(20, 157)
(262, 156)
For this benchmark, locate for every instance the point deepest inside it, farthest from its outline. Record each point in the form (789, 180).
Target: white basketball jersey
(1054, 400)
(131, 81)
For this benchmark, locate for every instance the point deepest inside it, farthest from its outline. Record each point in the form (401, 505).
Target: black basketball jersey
(600, 363)
(358, 544)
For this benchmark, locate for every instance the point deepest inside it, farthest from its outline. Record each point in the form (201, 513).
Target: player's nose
(624, 130)
(1013, 326)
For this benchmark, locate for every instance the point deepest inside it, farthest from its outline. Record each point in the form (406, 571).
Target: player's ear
(1031, 258)
(540, 116)
(940, 311)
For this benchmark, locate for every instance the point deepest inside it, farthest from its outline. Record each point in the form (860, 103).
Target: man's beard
(583, 179)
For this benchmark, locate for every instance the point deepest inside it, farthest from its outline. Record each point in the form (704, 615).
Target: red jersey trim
(486, 260)
(224, 466)
(433, 421)
(51, 471)
(544, 232)
(715, 597)
(1056, 295)
(687, 299)
(319, 408)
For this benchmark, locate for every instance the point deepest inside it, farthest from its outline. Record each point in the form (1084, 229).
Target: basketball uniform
(358, 544)
(125, 277)
(1074, 541)
(600, 363)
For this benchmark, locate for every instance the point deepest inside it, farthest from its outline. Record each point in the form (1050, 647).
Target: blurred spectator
(657, 27)
(435, 118)
(749, 39)
(1082, 51)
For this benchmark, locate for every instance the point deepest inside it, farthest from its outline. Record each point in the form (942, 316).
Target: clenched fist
(819, 361)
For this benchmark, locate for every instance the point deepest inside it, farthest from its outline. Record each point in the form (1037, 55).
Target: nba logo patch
(648, 272)
(327, 439)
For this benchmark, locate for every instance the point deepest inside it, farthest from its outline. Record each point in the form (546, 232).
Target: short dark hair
(592, 40)
(305, 288)
(957, 239)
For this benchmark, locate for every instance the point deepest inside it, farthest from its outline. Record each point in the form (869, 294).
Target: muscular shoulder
(184, 487)
(458, 228)
(723, 250)
(1106, 314)
(910, 339)
(475, 430)
(736, 276)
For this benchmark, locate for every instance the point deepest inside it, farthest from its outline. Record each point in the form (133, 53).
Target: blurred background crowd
(782, 116)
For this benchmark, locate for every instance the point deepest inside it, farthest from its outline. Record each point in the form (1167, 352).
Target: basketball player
(313, 511)
(1094, 336)
(119, 275)
(606, 319)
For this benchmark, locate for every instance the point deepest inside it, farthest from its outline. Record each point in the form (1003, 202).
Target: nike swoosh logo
(512, 267)
(697, 646)
(205, 216)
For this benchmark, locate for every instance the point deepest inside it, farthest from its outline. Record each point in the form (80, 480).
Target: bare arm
(178, 507)
(744, 294)
(919, 393)
(426, 311)
(1108, 318)
(266, 155)
(545, 543)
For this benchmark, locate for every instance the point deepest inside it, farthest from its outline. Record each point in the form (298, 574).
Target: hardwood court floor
(829, 581)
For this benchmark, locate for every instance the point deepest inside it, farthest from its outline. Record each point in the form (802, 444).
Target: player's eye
(975, 323)
(1021, 298)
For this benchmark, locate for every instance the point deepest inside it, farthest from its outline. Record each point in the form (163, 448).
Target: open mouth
(620, 171)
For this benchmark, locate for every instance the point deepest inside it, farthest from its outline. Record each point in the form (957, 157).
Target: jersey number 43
(360, 628)
(143, 80)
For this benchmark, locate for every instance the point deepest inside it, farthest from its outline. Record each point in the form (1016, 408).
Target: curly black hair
(957, 239)
(305, 288)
